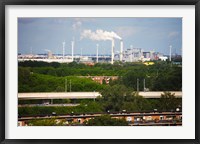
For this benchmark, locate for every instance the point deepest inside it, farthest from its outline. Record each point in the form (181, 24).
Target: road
(84, 95)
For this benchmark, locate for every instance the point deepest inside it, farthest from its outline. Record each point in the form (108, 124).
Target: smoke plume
(99, 35)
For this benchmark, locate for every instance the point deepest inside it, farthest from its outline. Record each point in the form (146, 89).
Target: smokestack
(63, 50)
(72, 50)
(131, 46)
(170, 53)
(31, 51)
(112, 51)
(121, 51)
(97, 57)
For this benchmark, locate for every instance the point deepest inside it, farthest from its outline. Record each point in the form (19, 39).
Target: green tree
(46, 122)
(168, 101)
(114, 96)
(24, 75)
(60, 89)
(106, 120)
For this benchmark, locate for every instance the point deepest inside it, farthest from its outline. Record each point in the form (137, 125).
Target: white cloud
(126, 31)
(99, 35)
(78, 22)
(76, 25)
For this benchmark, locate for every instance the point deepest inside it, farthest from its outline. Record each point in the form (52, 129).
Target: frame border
(3, 4)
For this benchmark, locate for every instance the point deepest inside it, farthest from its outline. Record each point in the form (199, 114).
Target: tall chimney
(131, 46)
(170, 53)
(97, 56)
(72, 50)
(121, 50)
(112, 51)
(63, 50)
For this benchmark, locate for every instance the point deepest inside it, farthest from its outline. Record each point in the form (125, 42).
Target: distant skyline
(37, 35)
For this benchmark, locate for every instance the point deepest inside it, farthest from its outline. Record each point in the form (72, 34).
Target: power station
(123, 55)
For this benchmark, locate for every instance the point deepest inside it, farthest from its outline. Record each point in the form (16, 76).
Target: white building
(130, 55)
(163, 58)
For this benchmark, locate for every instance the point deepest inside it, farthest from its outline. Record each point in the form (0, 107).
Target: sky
(39, 35)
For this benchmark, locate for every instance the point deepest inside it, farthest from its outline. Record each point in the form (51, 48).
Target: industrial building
(132, 55)
(124, 55)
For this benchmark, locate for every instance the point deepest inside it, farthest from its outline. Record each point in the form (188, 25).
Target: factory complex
(128, 55)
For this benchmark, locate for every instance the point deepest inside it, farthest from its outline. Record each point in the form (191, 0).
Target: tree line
(163, 76)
